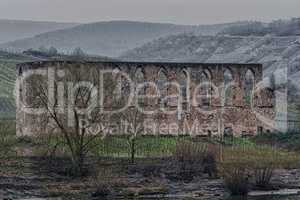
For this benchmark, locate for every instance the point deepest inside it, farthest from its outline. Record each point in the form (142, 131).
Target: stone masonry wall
(216, 116)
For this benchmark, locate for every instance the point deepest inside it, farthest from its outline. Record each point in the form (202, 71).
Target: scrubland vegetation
(243, 164)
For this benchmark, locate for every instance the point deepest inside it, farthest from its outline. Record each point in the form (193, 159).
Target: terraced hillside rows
(7, 84)
(8, 62)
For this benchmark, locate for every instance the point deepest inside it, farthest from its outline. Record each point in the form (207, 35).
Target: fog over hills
(108, 38)
(18, 29)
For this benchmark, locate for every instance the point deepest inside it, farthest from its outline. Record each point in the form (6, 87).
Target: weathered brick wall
(218, 117)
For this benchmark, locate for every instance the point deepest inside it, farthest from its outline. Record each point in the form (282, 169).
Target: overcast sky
(175, 11)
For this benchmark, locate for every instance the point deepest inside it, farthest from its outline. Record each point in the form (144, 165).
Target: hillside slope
(8, 63)
(290, 27)
(108, 38)
(17, 29)
(272, 52)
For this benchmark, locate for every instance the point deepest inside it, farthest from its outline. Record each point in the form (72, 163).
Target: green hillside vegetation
(7, 84)
(8, 62)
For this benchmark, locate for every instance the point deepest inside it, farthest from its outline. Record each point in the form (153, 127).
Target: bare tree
(132, 121)
(81, 95)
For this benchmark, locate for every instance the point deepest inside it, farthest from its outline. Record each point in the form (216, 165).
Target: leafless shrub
(76, 139)
(236, 179)
(190, 156)
(103, 183)
(263, 176)
(260, 162)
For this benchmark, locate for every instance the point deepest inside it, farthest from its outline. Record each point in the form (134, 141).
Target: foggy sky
(174, 11)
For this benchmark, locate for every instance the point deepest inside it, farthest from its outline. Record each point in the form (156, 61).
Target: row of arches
(205, 91)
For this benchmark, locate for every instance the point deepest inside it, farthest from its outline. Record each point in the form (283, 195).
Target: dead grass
(243, 165)
(103, 182)
(194, 158)
(261, 156)
(236, 179)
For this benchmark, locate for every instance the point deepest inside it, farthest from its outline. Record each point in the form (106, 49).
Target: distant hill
(108, 38)
(271, 51)
(17, 29)
(276, 28)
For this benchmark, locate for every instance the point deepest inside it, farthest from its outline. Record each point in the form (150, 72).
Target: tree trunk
(78, 164)
(132, 150)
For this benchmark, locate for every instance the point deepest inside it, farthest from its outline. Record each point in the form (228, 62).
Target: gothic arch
(162, 79)
(208, 73)
(140, 87)
(182, 79)
(228, 79)
(139, 75)
(249, 85)
(205, 89)
(122, 84)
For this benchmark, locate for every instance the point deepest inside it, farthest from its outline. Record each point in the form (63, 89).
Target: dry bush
(103, 182)
(211, 160)
(261, 161)
(236, 179)
(194, 158)
(263, 168)
(188, 153)
(258, 161)
(263, 176)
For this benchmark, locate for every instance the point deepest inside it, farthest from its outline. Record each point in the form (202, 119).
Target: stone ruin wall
(236, 116)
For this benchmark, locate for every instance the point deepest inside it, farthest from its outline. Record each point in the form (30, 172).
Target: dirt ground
(38, 177)
(33, 177)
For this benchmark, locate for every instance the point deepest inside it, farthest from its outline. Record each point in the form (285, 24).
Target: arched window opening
(139, 75)
(162, 86)
(183, 82)
(140, 85)
(162, 81)
(249, 87)
(117, 82)
(205, 89)
(122, 85)
(228, 87)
